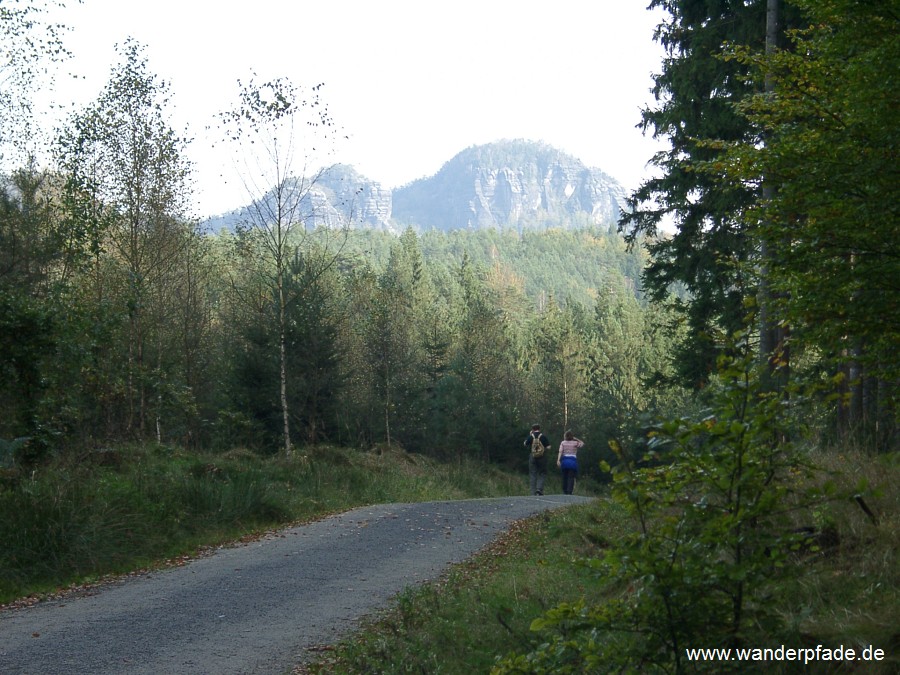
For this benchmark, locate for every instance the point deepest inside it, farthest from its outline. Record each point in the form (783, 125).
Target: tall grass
(117, 510)
(849, 592)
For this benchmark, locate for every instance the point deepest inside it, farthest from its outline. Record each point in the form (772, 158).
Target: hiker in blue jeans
(537, 445)
(567, 461)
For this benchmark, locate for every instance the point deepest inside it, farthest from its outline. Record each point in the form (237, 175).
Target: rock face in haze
(342, 196)
(339, 197)
(517, 184)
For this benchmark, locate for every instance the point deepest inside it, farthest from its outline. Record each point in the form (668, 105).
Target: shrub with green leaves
(713, 498)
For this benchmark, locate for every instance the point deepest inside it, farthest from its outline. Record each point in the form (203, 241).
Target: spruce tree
(696, 94)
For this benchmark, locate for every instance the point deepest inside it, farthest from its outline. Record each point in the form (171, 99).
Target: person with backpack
(537, 445)
(567, 461)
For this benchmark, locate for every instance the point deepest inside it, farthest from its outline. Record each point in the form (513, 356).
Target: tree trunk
(773, 345)
(387, 409)
(159, 398)
(282, 346)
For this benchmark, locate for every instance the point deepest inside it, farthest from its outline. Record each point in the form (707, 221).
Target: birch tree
(126, 170)
(265, 130)
(28, 45)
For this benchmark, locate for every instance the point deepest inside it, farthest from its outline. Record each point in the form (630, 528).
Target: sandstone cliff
(516, 184)
(508, 184)
(339, 197)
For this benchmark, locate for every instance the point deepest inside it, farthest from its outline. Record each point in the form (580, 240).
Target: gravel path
(257, 608)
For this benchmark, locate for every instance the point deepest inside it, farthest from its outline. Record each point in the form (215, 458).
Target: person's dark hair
(535, 427)
(569, 435)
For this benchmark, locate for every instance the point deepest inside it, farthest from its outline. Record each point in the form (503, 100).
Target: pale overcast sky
(412, 82)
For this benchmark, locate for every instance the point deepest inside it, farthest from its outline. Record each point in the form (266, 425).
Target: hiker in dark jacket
(537, 465)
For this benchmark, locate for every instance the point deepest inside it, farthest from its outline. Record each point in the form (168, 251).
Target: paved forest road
(257, 608)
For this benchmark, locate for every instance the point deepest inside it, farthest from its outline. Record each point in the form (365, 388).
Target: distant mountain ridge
(508, 184)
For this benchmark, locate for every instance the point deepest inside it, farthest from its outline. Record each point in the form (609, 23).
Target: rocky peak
(338, 197)
(516, 184)
(343, 197)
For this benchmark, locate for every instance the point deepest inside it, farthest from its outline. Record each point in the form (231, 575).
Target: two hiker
(567, 460)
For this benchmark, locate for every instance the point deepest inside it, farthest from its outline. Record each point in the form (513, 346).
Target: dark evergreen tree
(557, 368)
(391, 348)
(697, 92)
(252, 416)
(484, 384)
(359, 415)
(314, 376)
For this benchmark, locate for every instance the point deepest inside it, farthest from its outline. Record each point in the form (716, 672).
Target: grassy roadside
(484, 607)
(123, 509)
(847, 591)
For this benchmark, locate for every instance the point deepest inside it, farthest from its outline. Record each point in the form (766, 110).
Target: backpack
(537, 448)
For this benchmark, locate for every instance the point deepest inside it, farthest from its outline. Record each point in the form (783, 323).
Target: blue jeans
(568, 480)
(569, 468)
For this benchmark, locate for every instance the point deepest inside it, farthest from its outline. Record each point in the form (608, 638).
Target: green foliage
(695, 95)
(29, 45)
(781, 180)
(711, 497)
(313, 318)
(570, 264)
(315, 351)
(26, 335)
(629, 364)
(831, 222)
(37, 256)
(487, 385)
(122, 151)
(123, 205)
(252, 419)
(9, 451)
